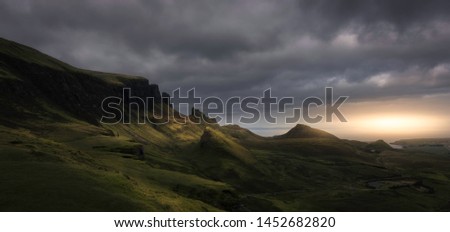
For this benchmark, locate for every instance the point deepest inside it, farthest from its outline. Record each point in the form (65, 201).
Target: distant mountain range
(55, 155)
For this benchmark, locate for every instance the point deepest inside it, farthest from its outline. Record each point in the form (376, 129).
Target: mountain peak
(301, 126)
(304, 131)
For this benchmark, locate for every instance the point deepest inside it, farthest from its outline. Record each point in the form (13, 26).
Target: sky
(392, 58)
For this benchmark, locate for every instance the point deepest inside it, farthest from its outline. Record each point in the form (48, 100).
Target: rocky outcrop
(198, 116)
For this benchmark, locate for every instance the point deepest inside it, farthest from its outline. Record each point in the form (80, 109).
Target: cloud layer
(366, 49)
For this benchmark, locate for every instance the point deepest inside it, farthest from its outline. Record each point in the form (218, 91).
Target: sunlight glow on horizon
(390, 126)
(399, 124)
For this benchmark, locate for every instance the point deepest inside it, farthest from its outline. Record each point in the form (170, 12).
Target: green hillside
(56, 156)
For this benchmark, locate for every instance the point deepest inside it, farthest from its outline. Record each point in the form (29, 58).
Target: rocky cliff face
(198, 116)
(79, 92)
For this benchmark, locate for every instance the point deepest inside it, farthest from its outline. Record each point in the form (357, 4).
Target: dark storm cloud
(366, 49)
(400, 13)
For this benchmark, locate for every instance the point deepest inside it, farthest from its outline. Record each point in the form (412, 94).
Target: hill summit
(304, 131)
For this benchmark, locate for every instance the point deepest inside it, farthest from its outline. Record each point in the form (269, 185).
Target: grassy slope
(72, 176)
(56, 162)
